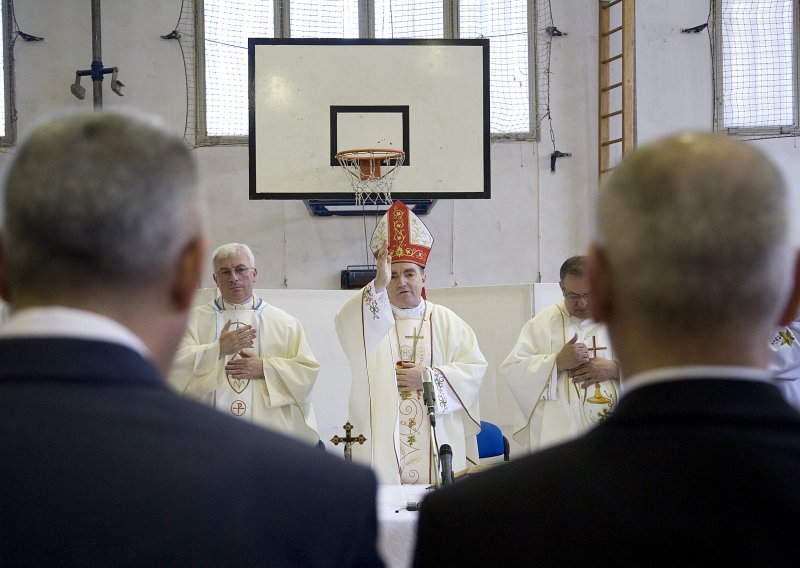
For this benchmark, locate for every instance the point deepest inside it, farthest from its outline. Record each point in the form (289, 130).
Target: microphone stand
(430, 403)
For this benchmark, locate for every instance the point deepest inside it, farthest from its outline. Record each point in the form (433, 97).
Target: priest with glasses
(246, 357)
(561, 371)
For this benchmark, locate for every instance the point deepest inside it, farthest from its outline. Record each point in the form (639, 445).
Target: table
(397, 526)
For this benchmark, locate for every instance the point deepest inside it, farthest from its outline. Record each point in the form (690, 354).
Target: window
(6, 63)
(226, 27)
(398, 19)
(755, 67)
(223, 26)
(510, 84)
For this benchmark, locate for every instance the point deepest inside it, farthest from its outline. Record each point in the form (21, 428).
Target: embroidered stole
(235, 395)
(414, 425)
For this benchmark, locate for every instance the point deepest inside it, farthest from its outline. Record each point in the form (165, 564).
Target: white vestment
(366, 328)
(784, 363)
(555, 409)
(282, 400)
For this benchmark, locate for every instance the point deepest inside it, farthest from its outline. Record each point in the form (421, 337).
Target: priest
(561, 371)
(393, 338)
(246, 357)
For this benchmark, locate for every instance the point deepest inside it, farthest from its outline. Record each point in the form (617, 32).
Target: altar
(397, 525)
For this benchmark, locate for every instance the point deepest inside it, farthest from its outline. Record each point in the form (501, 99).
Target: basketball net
(371, 172)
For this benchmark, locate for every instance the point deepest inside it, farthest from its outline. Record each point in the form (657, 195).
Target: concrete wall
(535, 218)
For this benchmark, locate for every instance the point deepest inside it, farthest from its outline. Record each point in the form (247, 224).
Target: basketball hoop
(371, 172)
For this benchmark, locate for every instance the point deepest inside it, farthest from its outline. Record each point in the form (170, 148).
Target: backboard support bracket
(348, 207)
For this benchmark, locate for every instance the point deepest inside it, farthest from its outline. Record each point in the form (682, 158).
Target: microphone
(446, 459)
(427, 394)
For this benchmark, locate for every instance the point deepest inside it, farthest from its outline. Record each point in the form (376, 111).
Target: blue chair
(492, 442)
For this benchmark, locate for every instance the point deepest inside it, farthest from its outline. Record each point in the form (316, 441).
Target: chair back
(492, 442)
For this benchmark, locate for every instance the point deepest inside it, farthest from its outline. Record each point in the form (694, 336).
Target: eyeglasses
(573, 297)
(240, 271)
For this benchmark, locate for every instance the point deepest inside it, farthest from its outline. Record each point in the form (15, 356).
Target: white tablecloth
(397, 526)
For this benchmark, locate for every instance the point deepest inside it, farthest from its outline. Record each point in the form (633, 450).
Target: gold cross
(594, 348)
(415, 337)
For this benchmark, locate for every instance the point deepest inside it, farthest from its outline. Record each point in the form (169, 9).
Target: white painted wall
(535, 218)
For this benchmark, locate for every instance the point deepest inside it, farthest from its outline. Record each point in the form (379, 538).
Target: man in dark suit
(692, 268)
(100, 463)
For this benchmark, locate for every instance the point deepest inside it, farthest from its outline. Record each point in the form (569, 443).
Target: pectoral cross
(594, 348)
(415, 337)
(348, 441)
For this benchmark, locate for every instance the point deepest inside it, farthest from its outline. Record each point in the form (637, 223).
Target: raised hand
(383, 271)
(409, 376)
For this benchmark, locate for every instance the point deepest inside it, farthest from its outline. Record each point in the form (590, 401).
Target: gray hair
(574, 265)
(696, 231)
(232, 249)
(92, 199)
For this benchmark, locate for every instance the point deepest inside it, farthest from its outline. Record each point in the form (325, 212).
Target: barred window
(6, 85)
(755, 51)
(224, 26)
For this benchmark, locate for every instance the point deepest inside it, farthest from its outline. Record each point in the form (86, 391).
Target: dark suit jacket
(101, 464)
(685, 473)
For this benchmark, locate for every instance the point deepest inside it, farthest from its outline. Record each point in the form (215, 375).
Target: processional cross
(348, 441)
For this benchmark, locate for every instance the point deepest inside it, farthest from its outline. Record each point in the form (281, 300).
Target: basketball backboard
(312, 98)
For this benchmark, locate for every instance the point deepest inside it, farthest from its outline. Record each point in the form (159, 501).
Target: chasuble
(554, 409)
(375, 338)
(282, 400)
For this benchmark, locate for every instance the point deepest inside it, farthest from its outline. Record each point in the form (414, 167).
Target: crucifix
(348, 441)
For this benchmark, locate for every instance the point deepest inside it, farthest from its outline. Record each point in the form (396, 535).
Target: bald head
(695, 230)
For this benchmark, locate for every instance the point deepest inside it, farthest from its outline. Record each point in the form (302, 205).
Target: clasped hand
(584, 370)
(246, 366)
(572, 355)
(232, 341)
(409, 377)
(596, 370)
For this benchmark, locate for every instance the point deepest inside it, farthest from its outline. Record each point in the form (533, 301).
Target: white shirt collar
(250, 303)
(58, 321)
(668, 374)
(410, 312)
